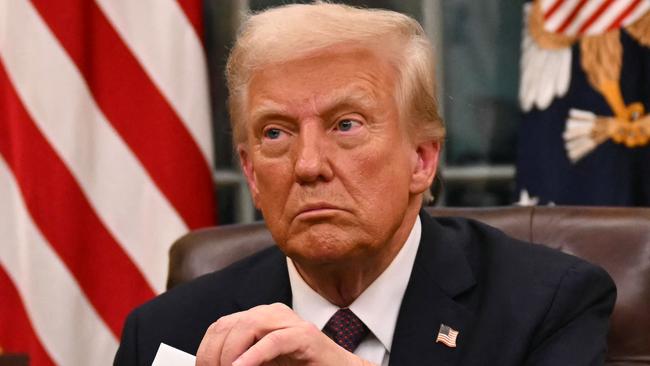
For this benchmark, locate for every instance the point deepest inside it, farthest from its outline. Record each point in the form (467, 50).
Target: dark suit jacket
(513, 303)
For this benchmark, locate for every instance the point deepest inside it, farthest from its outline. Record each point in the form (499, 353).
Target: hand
(270, 335)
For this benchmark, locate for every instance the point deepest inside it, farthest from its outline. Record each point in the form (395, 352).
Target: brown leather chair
(618, 239)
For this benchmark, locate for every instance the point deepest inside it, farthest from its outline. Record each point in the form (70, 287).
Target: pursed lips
(316, 208)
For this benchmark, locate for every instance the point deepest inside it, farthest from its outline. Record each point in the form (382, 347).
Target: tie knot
(346, 329)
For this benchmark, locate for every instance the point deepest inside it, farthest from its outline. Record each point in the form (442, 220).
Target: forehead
(332, 77)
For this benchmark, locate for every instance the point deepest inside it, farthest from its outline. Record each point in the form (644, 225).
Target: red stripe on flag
(16, 333)
(619, 20)
(58, 206)
(571, 17)
(553, 8)
(601, 9)
(193, 10)
(135, 107)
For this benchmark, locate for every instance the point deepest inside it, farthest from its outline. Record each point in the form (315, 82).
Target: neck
(342, 283)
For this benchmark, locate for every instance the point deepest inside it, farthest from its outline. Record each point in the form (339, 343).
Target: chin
(324, 244)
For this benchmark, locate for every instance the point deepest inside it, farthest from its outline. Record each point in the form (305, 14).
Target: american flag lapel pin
(447, 336)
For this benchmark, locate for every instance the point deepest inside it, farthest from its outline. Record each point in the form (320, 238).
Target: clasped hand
(270, 335)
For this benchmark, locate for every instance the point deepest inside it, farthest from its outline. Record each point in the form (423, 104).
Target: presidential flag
(105, 156)
(584, 91)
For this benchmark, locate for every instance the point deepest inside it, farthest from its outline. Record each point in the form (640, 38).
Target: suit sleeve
(574, 330)
(127, 353)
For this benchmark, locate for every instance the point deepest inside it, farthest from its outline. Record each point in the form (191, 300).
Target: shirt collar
(376, 306)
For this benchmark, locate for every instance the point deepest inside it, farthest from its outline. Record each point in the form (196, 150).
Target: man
(337, 131)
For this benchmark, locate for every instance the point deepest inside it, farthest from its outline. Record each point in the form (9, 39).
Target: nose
(312, 163)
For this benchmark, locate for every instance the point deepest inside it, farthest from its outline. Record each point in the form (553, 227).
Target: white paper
(170, 356)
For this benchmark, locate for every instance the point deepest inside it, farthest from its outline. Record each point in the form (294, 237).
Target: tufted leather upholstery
(618, 239)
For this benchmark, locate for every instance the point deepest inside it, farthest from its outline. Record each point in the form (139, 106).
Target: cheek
(381, 171)
(274, 179)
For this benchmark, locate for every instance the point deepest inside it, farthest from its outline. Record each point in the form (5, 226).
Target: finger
(241, 337)
(209, 351)
(304, 343)
(238, 329)
(273, 345)
(253, 325)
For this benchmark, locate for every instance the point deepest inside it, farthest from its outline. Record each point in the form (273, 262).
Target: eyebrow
(267, 110)
(346, 99)
(352, 98)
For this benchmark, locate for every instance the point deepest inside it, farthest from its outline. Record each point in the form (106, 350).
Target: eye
(347, 125)
(272, 133)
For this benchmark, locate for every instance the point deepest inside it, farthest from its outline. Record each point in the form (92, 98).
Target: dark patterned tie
(346, 329)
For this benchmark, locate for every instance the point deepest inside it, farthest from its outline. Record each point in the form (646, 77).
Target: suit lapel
(440, 273)
(267, 282)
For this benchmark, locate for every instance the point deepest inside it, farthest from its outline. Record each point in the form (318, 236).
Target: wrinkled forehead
(337, 75)
(331, 64)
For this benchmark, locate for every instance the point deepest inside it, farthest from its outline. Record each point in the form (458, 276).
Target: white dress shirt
(378, 306)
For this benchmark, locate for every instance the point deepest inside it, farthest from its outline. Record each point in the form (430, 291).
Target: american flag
(447, 336)
(590, 17)
(105, 155)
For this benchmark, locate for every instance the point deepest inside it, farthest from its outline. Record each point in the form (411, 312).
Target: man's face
(328, 162)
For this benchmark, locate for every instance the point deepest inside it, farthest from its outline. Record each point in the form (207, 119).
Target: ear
(424, 166)
(246, 165)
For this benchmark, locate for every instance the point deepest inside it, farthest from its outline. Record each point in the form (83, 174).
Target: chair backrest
(618, 239)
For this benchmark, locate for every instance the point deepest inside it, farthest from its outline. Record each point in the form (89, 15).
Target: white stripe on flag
(641, 9)
(57, 97)
(585, 12)
(162, 39)
(607, 18)
(52, 298)
(555, 21)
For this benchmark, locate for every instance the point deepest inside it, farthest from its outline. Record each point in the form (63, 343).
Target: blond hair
(294, 31)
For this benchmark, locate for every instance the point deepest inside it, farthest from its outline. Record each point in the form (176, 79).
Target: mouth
(315, 210)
